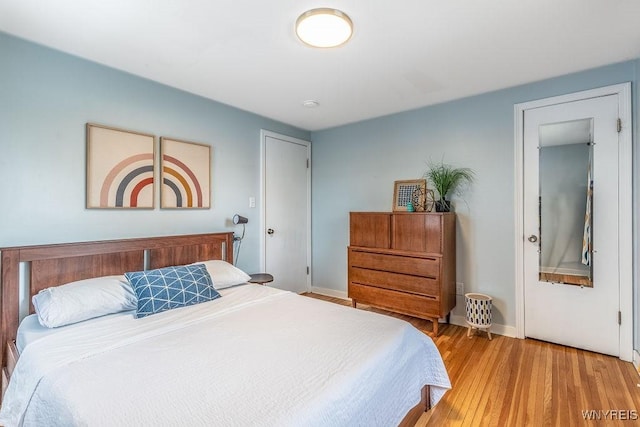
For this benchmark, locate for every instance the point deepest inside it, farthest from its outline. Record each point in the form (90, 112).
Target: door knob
(270, 231)
(533, 238)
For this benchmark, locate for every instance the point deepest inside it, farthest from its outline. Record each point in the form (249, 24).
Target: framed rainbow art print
(185, 173)
(120, 168)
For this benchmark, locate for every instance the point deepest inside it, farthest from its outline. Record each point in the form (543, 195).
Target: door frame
(625, 205)
(263, 183)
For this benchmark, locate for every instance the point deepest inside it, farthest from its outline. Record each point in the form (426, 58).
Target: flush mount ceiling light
(324, 27)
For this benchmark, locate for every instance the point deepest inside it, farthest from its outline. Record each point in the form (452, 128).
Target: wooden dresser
(404, 262)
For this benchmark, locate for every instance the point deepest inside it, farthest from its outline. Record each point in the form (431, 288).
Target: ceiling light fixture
(324, 27)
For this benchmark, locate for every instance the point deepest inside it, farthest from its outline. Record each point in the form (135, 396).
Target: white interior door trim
(262, 241)
(625, 179)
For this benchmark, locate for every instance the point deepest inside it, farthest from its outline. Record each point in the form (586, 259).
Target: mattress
(257, 356)
(31, 330)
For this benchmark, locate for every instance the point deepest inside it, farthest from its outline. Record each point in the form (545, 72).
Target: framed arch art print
(120, 168)
(185, 174)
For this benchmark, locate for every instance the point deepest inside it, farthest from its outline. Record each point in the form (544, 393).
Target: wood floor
(513, 382)
(568, 279)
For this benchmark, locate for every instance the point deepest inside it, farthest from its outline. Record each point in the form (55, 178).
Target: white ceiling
(403, 55)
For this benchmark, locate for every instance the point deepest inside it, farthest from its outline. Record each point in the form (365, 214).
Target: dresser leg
(353, 303)
(435, 327)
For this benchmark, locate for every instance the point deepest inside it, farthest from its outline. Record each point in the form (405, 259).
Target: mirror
(565, 202)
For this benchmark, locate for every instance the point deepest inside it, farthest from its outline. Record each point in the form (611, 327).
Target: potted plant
(446, 180)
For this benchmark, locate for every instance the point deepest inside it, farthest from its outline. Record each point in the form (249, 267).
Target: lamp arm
(239, 240)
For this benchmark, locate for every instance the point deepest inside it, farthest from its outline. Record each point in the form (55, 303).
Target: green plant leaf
(446, 179)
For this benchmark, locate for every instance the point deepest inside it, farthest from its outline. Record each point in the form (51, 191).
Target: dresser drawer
(411, 304)
(426, 267)
(399, 282)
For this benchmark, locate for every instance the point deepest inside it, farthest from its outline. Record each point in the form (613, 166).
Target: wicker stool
(478, 307)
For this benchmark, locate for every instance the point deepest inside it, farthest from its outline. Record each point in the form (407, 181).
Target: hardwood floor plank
(574, 416)
(598, 393)
(513, 382)
(534, 399)
(584, 394)
(508, 411)
(631, 383)
(484, 397)
(547, 405)
(499, 388)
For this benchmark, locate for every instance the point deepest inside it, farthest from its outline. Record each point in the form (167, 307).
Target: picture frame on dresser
(409, 190)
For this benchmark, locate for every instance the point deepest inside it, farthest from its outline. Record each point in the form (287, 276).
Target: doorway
(286, 211)
(573, 221)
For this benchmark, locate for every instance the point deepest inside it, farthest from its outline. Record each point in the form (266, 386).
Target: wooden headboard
(54, 265)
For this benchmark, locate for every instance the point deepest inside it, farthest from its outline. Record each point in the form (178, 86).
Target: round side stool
(478, 307)
(261, 278)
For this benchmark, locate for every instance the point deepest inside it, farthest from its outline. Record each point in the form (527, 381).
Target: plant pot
(443, 205)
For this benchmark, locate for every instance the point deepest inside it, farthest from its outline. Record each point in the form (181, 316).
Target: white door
(286, 211)
(571, 224)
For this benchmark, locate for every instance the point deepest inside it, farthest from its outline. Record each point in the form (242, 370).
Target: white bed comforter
(257, 356)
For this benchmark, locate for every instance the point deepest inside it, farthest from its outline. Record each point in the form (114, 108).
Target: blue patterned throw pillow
(171, 287)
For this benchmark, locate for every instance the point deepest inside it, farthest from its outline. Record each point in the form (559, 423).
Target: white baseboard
(329, 292)
(507, 331)
(636, 361)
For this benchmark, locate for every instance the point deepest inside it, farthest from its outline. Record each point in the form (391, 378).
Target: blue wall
(354, 167)
(46, 97)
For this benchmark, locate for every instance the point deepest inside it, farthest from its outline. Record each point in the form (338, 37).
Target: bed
(255, 355)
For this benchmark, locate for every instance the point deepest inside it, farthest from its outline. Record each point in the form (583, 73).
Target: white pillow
(82, 300)
(223, 274)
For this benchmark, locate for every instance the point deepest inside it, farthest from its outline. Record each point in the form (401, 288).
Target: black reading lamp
(239, 219)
